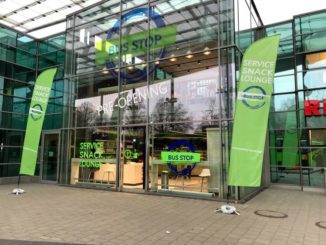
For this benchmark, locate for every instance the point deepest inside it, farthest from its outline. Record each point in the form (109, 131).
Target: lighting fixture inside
(189, 55)
(207, 51)
(173, 58)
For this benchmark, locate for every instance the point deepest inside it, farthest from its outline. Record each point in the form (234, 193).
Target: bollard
(165, 180)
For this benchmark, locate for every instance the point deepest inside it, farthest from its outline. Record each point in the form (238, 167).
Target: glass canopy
(33, 16)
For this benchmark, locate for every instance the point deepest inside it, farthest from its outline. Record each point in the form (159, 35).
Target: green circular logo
(128, 154)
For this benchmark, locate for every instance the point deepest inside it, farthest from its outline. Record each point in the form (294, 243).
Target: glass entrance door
(132, 163)
(50, 156)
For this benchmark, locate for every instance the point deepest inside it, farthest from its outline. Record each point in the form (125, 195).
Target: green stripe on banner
(36, 116)
(252, 109)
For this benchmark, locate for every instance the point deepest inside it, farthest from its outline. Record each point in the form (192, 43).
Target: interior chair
(108, 172)
(205, 173)
(182, 175)
(91, 175)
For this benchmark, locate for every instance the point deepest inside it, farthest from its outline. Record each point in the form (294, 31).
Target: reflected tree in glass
(165, 110)
(86, 115)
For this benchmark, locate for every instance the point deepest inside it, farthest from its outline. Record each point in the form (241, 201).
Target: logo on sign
(253, 97)
(136, 43)
(36, 112)
(185, 157)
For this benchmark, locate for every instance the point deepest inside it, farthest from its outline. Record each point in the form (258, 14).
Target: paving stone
(51, 214)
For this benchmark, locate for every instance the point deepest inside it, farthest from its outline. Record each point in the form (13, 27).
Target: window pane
(283, 102)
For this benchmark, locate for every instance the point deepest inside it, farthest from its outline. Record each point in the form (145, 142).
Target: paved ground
(50, 214)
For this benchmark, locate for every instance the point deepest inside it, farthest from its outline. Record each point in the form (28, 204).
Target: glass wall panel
(11, 137)
(283, 102)
(310, 32)
(96, 45)
(52, 44)
(8, 36)
(52, 121)
(10, 154)
(51, 59)
(97, 12)
(183, 27)
(25, 59)
(26, 43)
(13, 121)
(314, 79)
(9, 170)
(283, 120)
(246, 38)
(134, 94)
(286, 41)
(97, 99)
(187, 89)
(95, 157)
(285, 157)
(185, 160)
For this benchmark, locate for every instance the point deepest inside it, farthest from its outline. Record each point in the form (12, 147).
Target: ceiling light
(157, 62)
(130, 68)
(189, 55)
(105, 70)
(207, 51)
(172, 59)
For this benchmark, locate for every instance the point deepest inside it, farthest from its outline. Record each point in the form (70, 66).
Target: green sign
(129, 154)
(251, 115)
(90, 153)
(36, 116)
(135, 44)
(179, 157)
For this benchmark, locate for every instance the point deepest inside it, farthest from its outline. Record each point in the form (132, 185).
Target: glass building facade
(22, 58)
(148, 77)
(138, 79)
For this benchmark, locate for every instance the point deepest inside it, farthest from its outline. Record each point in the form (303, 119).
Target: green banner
(179, 157)
(36, 115)
(251, 115)
(135, 44)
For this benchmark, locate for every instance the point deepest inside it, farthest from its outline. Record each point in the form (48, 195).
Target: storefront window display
(151, 77)
(183, 158)
(95, 161)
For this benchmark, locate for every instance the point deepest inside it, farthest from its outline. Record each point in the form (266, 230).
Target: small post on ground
(18, 190)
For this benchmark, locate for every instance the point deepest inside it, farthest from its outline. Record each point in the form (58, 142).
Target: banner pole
(18, 190)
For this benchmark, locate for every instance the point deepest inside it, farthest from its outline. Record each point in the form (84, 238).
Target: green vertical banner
(251, 115)
(39, 103)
